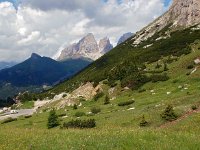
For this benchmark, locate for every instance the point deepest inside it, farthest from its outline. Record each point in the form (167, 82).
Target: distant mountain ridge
(87, 47)
(39, 70)
(124, 37)
(4, 64)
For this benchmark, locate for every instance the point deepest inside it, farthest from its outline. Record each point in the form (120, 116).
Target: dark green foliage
(91, 123)
(194, 107)
(141, 90)
(28, 116)
(158, 66)
(169, 114)
(165, 67)
(159, 77)
(126, 103)
(9, 120)
(143, 122)
(190, 66)
(106, 100)
(79, 114)
(98, 96)
(27, 97)
(135, 81)
(52, 119)
(75, 107)
(95, 110)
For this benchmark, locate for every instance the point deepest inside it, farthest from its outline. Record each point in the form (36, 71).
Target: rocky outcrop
(124, 37)
(182, 14)
(105, 45)
(87, 47)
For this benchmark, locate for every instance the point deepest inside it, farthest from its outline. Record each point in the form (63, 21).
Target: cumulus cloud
(46, 26)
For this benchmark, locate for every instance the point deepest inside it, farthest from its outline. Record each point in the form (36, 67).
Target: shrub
(79, 114)
(98, 96)
(52, 120)
(95, 110)
(75, 107)
(80, 124)
(126, 103)
(158, 66)
(165, 67)
(28, 116)
(9, 120)
(143, 122)
(169, 114)
(190, 66)
(157, 78)
(194, 107)
(106, 100)
(141, 90)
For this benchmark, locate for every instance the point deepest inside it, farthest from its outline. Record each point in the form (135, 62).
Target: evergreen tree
(107, 100)
(169, 114)
(52, 120)
(165, 67)
(75, 107)
(143, 122)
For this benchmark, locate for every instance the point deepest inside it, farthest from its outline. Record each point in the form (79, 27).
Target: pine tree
(143, 122)
(165, 67)
(52, 120)
(169, 114)
(75, 107)
(107, 100)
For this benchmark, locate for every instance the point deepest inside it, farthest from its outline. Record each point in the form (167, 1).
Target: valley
(142, 94)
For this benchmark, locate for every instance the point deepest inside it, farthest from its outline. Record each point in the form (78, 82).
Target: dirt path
(187, 114)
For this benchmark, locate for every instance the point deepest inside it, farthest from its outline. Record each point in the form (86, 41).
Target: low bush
(169, 114)
(190, 66)
(79, 114)
(95, 110)
(80, 124)
(157, 78)
(27, 116)
(9, 120)
(75, 107)
(143, 122)
(194, 107)
(126, 103)
(98, 96)
(106, 100)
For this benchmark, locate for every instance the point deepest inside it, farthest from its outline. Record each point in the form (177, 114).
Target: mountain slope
(127, 62)
(39, 70)
(4, 65)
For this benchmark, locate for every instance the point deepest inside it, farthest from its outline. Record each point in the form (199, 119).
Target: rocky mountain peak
(181, 14)
(105, 45)
(87, 47)
(124, 37)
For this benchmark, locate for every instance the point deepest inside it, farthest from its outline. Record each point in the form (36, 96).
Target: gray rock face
(105, 45)
(124, 37)
(87, 47)
(182, 14)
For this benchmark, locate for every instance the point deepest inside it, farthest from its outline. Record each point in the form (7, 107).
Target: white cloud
(45, 26)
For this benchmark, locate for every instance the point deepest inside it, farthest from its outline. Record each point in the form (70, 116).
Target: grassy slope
(117, 127)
